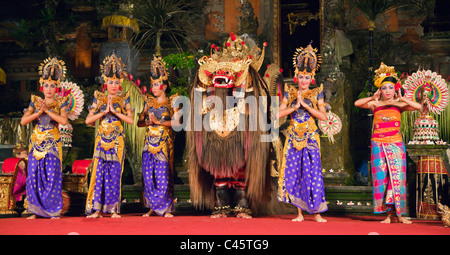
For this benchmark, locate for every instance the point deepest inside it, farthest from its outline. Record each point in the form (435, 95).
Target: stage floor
(135, 224)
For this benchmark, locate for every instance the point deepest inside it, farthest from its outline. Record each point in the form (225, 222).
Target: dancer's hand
(40, 102)
(148, 120)
(111, 108)
(107, 108)
(44, 107)
(153, 119)
(301, 101)
(377, 95)
(398, 96)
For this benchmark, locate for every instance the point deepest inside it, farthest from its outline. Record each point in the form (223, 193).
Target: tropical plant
(169, 19)
(45, 30)
(372, 9)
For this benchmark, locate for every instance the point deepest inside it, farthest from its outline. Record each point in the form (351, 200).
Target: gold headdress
(52, 69)
(306, 61)
(158, 70)
(113, 68)
(382, 72)
(229, 67)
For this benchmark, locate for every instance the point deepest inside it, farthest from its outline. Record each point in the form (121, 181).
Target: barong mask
(52, 70)
(306, 62)
(113, 68)
(229, 67)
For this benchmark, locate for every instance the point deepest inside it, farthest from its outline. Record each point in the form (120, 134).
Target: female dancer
(157, 156)
(112, 108)
(300, 180)
(44, 179)
(388, 161)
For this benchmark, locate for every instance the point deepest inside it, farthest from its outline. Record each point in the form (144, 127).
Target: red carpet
(134, 224)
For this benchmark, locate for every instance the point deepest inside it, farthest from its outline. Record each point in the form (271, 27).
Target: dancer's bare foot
(403, 220)
(219, 215)
(32, 217)
(319, 218)
(243, 215)
(168, 215)
(150, 213)
(299, 217)
(115, 216)
(55, 218)
(388, 219)
(95, 215)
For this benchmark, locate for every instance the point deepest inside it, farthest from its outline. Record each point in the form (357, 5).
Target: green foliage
(180, 61)
(372, 8)
(31, 33)
(28, 33)
(182, 64)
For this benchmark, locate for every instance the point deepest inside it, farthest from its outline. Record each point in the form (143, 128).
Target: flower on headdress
(398, 86)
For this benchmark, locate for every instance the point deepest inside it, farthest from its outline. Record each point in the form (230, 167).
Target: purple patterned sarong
(303, 180)
(158, 184)
(44, 186)
(157, 159)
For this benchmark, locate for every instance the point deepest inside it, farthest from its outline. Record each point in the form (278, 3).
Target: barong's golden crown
(113, 64)
(52, 69)
(229, 66)
(305, 58)
(158, 69)
(382, 72)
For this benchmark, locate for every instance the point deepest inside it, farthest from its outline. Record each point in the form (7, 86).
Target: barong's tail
(258, 153)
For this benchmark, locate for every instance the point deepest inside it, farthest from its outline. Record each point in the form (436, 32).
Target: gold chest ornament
(229, 121)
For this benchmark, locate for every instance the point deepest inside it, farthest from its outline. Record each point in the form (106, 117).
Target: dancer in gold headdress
(157, 157)
(44, 179)
(300, 179)
(388, 160)
(111, 109)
